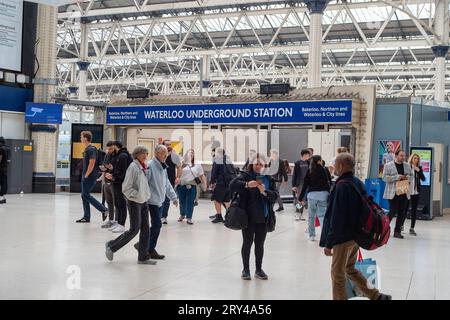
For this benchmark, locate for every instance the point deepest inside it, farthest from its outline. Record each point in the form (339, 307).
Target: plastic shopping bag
(369, 269)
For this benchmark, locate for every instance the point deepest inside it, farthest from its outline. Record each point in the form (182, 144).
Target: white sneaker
(107, 224)
(297, 217)
(119, 229)
(114, 224)
(164, 220)
(312, 238)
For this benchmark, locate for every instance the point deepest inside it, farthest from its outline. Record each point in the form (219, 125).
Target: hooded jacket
(159, 183)
(121, 161)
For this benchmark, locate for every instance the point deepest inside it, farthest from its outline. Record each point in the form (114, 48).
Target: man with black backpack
(89, 178)
(121, 160)
(338, 237)
(4, 161)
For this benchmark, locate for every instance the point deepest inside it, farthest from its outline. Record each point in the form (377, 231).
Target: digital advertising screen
(426, 158)
(11, 16)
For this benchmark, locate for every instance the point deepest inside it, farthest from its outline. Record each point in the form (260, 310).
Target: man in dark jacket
(220, 182)
(301, 168)
(4, 161)
(121, 161)
(337, 238)
(278, 172)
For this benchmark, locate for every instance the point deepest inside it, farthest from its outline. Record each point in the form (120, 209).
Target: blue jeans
(164, 210)
(187, 199)
(155, 229)
(315, 208)
(86, 187)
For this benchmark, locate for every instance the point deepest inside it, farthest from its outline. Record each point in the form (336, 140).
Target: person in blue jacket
(337, 239)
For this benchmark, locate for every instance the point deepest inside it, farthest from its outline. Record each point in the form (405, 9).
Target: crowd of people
(147, 187)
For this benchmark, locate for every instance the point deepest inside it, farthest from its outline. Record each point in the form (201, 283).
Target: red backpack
(373, 227)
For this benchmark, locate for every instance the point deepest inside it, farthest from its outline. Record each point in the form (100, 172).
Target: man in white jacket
(160, 187)
(137, 191)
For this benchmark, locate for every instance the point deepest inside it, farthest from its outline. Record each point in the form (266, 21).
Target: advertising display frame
(425, 207)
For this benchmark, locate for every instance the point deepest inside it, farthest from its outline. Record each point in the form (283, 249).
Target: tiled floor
(41, 246)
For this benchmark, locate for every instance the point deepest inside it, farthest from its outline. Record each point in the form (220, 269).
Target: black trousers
(399, 206)
(138, 222)
(121, 204)
(3, 184)
(254, 233)
(414, 205)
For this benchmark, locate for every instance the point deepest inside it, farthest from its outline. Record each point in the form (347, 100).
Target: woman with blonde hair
(414, 161)
(191, 176)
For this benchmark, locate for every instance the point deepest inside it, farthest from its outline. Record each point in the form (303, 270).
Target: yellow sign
(178, 147)
(27, 148)
(78, 149)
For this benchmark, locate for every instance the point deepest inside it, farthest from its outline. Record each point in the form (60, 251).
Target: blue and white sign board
(47, 113)
(328, 111)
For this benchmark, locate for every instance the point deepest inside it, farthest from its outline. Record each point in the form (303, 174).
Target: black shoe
(105, 215)
(398, 235)
(412, 232)
(280, 209)
(83, 220)
(3, 201)
(218, 219)
(246, 275)
(156, 256)
(384, 297)
(260, 274)
(212, 217)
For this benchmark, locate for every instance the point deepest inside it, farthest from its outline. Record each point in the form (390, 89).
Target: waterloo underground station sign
(282, 112)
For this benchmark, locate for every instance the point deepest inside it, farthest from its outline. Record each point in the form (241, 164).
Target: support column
(316, 9)
(83, 64)
(45, 136)
(441, 27)
(205, 69)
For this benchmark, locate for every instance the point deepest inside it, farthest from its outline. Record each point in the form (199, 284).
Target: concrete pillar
(45, 136)
(205, 69)
(316, 9)
(441, 27)
(83, 64)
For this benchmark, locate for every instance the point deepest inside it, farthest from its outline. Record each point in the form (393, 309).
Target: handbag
(236, 217)
(271, 221)
(401, 187)
(196, 179)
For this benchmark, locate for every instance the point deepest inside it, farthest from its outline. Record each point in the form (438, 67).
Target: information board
(11, 16)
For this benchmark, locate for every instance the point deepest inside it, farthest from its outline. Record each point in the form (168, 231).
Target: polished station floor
(46, 255)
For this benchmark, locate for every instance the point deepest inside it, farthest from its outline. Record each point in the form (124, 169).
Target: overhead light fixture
(21, 78)
(10, 77)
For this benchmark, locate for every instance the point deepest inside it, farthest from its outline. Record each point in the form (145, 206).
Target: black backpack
(230, 171)
(100, 158)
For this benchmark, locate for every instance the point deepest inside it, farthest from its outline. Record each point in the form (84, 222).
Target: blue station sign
(48, 113)
(327, 111)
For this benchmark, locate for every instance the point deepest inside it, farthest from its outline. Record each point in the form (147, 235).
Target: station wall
(429, 125)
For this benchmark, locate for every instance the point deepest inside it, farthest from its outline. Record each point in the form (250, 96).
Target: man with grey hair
(160, 188)
(338, 239)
